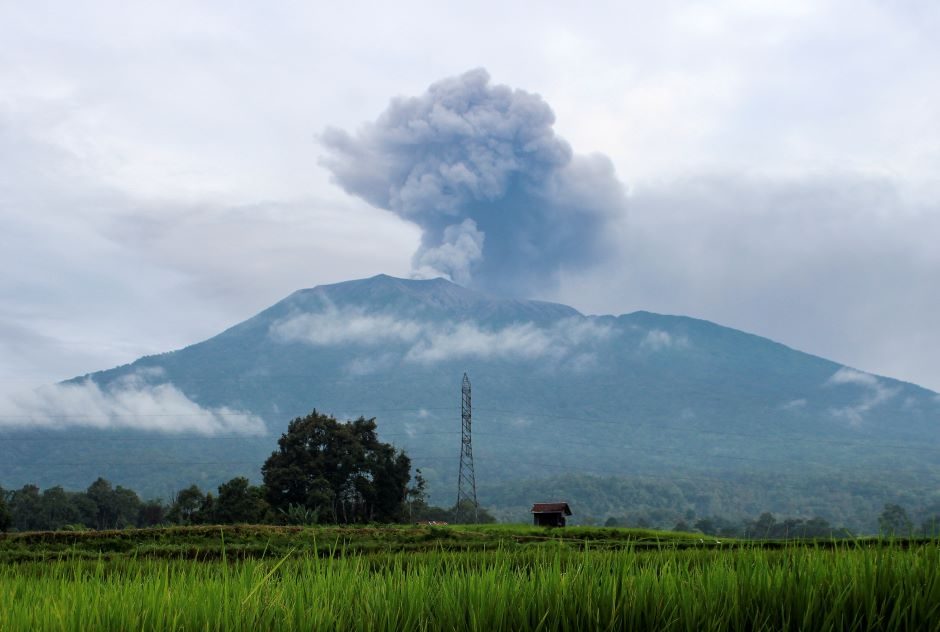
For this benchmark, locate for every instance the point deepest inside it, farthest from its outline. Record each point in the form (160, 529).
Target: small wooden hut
(550, 514)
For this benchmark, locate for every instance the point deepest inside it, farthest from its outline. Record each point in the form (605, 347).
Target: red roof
(551, 508)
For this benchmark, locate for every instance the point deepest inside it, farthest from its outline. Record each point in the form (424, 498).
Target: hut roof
(551, 508)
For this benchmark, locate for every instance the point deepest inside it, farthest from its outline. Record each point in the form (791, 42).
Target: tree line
(323, 471)
(894, 521)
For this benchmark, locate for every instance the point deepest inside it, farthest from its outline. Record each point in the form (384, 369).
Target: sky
(170, 169)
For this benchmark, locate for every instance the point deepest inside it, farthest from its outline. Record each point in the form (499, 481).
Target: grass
(243, 542)
(502, 579)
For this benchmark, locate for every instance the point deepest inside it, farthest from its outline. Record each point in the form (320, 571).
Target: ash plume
(503, 202)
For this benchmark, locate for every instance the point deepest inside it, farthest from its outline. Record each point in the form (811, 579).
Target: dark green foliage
(240, 502)
(764, 527)
(420, 511)
(186, 506)
(151, 514)
(26, 509)
(718, 526)
(206, 509)
(339, 469)
(55, 508)
(466, 513)
(117, 507)
(433, 513)
(298, 515)
(6, 519)
(59, 509)
(663, 503)
(417, 497)
(767, 527)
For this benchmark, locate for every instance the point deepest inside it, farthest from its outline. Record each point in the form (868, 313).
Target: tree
(151, 514)
(86, 508)
(57, 509)
(466, 513)
(26, 509)
(240, 502)
(186, 506)
(206, 511)
(417, 497)
(894, 521)
(6, 519)
(340, 470)
(117, 507)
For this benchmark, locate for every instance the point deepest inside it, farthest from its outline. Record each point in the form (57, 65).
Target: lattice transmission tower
(466, 480)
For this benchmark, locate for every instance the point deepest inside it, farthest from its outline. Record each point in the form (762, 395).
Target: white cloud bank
(877, 394)
(429, 343)
(657, 340)
(131, 403)
(336, 326)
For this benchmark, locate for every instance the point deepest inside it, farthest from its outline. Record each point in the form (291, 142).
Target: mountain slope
(554, 392)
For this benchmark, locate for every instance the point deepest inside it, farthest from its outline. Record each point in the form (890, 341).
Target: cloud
(846, 375)
(368, 365)
(520, 422)
(794, 404)
(336, 326)
(877, 394)
(502, 201)
(429, 343)
(657, 340)
(528, 341)
(799, 259)
(135, 402)
(468, 340)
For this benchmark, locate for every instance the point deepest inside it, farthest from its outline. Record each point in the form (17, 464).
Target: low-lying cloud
(794, 404)
(335, 326)
(503, 202)
(877, 393)
(135, 402)
(658, 340)
(429, 343)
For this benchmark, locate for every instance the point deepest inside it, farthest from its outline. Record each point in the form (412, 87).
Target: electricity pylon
(466, 481)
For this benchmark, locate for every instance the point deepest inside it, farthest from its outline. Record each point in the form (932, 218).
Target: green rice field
(448, 578)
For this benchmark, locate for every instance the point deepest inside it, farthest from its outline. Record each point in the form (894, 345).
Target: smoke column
(504, 204)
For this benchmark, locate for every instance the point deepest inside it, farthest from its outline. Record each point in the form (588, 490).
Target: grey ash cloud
(502, 201)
